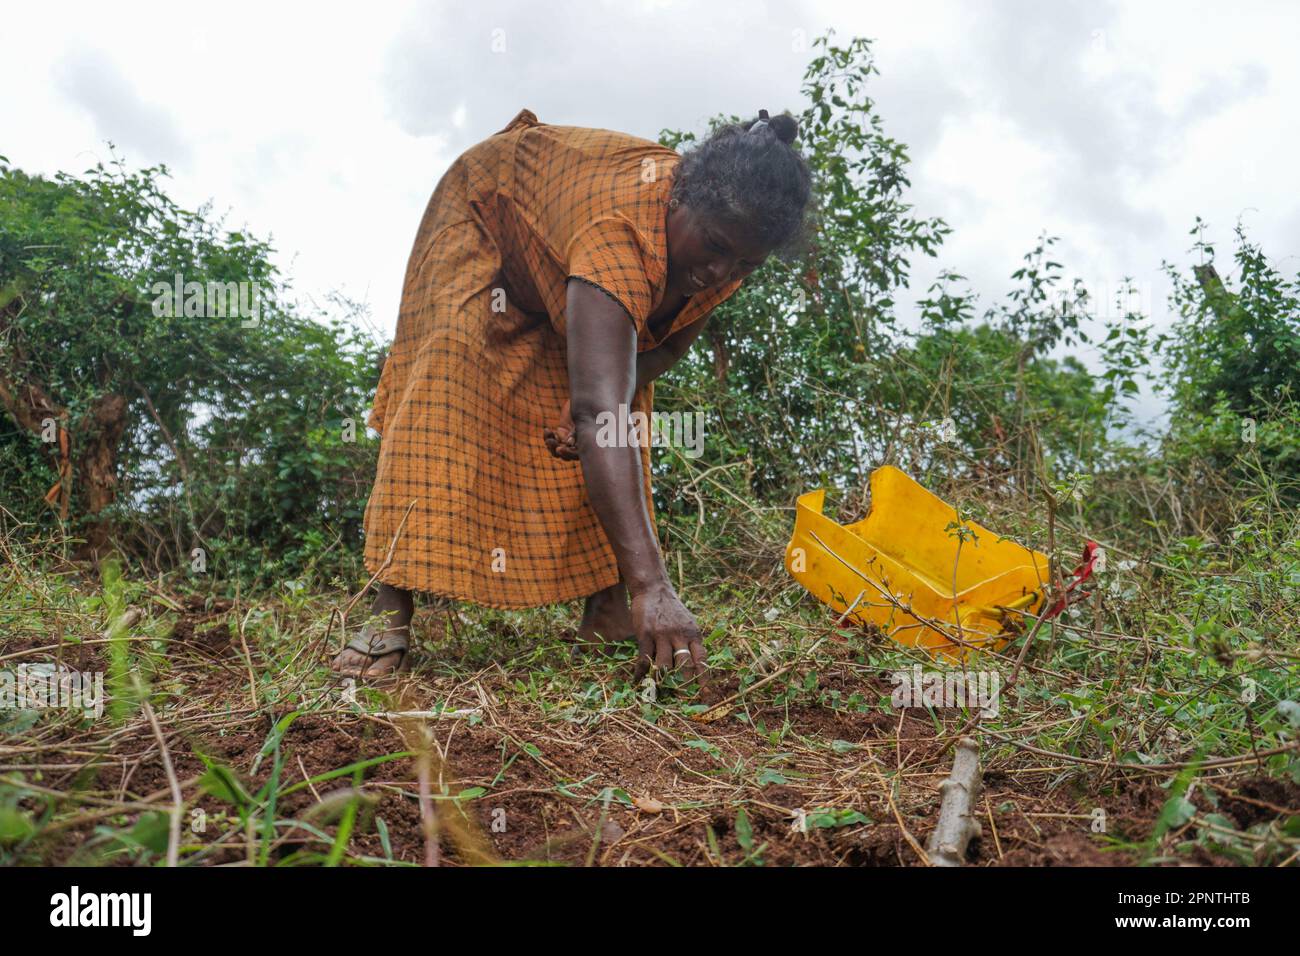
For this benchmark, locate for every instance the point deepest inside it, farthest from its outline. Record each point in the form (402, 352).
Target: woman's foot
(606, 619)
(390, 620)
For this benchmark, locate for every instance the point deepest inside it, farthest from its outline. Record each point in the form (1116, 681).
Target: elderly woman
(557, 272)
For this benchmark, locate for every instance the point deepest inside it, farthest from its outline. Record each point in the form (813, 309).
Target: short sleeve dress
(477, 370)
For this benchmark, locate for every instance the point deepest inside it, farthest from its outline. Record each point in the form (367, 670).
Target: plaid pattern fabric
(477, 370)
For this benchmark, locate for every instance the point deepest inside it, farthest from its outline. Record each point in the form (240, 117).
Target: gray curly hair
(751, 175)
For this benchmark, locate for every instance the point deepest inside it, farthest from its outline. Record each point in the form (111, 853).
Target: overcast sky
(326, 126)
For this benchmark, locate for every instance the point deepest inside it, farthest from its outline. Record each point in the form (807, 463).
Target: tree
(148, 366)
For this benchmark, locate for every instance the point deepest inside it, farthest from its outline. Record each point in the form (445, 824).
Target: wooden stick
(428, 817)
(178, 801)
(957, 823)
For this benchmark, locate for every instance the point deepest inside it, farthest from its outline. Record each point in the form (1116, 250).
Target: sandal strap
(379, 646)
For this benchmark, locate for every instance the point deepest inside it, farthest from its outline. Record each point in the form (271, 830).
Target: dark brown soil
(792, 752)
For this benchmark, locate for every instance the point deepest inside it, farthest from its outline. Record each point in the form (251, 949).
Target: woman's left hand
(562, 439)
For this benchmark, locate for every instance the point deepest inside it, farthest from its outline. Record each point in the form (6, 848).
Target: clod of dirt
(648, 804)
(202, 624)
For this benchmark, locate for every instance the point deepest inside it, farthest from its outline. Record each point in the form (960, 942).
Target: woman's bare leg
(391, 614)
(606, 619)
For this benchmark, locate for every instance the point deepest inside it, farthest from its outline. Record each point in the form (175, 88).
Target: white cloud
(92, 81)
(327, 126)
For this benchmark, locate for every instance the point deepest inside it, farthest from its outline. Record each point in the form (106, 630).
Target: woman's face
(705, 252)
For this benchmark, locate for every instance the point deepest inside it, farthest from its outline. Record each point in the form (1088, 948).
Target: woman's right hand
(666, 633)
(562, 438)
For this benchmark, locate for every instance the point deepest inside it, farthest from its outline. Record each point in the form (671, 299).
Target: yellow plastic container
(905, 568)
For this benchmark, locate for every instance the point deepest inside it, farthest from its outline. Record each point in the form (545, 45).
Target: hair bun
(785, 126)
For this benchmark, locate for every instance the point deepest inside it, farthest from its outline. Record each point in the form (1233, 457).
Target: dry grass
(1126, 737)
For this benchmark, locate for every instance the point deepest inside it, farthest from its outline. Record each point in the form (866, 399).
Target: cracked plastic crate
(907, 569)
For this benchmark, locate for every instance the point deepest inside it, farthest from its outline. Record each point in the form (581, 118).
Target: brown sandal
(376, 647)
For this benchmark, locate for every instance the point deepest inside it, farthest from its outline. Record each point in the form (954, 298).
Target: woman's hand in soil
(666, 634)
(562, 438)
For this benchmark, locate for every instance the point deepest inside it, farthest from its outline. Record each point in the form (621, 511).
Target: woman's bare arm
(652, 363)
(601, 344)
(602, 376)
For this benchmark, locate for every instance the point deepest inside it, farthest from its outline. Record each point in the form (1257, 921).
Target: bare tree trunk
(97, 465)
(31, 407)
(91, 456)
(721, 358)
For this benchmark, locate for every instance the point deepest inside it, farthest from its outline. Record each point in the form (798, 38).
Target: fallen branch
(424, 714)
(178, 801)
(957, 823)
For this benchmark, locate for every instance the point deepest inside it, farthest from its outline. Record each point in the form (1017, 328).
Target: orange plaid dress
(477, 370)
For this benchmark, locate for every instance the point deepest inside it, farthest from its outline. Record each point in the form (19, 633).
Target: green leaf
(744, 832)
(1176, 811)
(220, 782)
(15, 825)
(151, 832)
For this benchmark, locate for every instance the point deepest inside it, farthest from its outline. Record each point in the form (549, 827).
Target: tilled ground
(786, 777)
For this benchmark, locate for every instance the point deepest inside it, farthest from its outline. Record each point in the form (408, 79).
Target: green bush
(214, 431)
